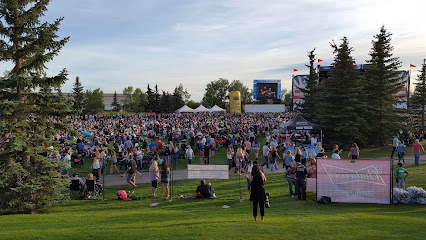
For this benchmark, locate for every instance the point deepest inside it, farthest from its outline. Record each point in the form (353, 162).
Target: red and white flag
(295, 70)
(319, 60)
(411, 65)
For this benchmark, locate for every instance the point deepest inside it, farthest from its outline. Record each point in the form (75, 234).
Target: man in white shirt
(335, 155)
(265, 155)
(189, 154)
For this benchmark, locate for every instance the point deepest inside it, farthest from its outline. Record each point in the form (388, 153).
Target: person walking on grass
(265, 155)
(114, 163)
(395, 142)
(416, 149)
(257, 195)
(402, 150)
(273, 154)
(400, 174)
(131, 173)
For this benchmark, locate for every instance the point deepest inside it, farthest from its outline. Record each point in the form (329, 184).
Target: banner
(235, 102)
(354, 181)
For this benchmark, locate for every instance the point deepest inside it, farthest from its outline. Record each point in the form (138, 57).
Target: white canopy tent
(216, 108)
(184, 109)
(201, 108)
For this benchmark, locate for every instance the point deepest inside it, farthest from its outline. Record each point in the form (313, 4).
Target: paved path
(179, 174)
(182, 174)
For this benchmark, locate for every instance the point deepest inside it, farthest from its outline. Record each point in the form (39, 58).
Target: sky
(115, 44)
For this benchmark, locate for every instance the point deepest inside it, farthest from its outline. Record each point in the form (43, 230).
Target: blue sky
(115, 44)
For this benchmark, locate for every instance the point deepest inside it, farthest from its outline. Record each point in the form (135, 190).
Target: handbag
(267, 204)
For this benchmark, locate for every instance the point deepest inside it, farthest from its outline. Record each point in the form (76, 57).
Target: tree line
(154, 100)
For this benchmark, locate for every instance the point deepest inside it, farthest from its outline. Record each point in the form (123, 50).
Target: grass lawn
(206, 219)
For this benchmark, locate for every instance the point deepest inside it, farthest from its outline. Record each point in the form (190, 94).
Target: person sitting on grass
(204, 190)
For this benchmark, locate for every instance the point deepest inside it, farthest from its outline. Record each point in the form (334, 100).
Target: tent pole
(322, 144)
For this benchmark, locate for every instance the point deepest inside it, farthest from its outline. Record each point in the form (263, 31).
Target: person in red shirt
(416, 149)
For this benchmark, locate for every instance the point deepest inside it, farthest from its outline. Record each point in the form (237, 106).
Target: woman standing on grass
(354, 151)
(153, 177)
(256, 147)
(96, 165)
(298, 155)
(230, 157)
(239, 160)
(312, 168)
(175, 155)
(257, 178)
(164, 172)
(114, 163)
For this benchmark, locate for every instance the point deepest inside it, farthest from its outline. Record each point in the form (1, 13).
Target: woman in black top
(257, 178)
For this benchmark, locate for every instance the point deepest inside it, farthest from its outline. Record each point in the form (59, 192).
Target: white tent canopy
(201, 108)
(216, 108)
(184, 109)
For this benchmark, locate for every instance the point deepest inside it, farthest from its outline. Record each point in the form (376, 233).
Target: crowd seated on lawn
(140, 130)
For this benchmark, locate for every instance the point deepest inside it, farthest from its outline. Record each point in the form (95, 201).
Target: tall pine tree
(157, 100)
(78, 95)
(28, 180)
(310, 92)
(418, 100)
(150, 102)
(381, 83)
(340, 101)
(116, 107)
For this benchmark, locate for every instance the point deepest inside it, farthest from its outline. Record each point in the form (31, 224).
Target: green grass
(287, 218)
(205, 219)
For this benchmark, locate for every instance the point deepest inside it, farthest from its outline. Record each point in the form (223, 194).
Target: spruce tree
(78, 95)
(116, 106)
(28, 180)
(418, 100)
(150, 100)
(340, 102)
(310, 92)
(381, 83)
(157, 100)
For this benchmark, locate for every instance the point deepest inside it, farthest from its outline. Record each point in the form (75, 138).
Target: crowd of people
(158, 141)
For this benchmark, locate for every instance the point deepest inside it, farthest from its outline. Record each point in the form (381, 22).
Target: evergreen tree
(178, 100)
(157, 100)
(116, 106)
(150, 100)
(340, 100)
(78, 95)
(418, 100)
(310, 92)
(28, 180)
(381, 83)
(166, 105)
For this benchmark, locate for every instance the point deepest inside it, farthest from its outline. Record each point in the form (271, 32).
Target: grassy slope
(205, 219)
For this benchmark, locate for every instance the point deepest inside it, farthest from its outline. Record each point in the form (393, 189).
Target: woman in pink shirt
(354, 151)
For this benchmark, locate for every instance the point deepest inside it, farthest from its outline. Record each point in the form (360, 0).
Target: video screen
(267, 90)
